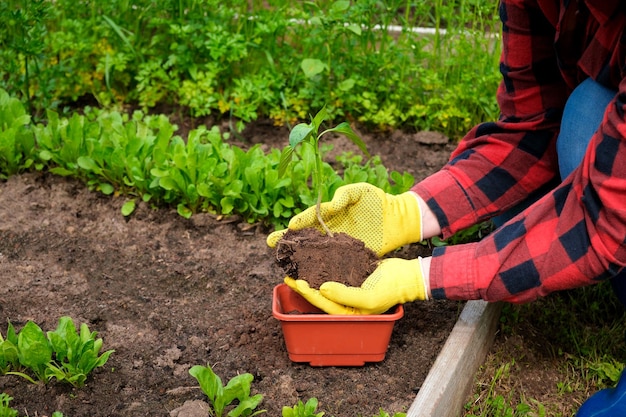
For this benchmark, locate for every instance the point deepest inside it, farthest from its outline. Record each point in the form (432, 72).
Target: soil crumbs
(168, 293)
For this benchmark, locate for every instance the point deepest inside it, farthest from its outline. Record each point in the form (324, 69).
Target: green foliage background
(249, 59)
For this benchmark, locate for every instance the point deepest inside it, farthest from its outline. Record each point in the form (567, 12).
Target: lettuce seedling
(76, 353)
(8, 351)
(303, 410)
(308, 132)
(33, 351)
(5, 409)
(220, 396)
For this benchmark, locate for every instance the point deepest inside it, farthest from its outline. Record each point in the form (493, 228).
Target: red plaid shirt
(576, 234)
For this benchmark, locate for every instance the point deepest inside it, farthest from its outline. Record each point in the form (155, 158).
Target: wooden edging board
(450, 379)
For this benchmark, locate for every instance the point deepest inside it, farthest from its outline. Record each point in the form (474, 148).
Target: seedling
(309, 132)
(76, 353)
(5, 409)
(303, 410)
(63, 354)
(383, 413)
(8, 351)
(34, 351)
(220, 396)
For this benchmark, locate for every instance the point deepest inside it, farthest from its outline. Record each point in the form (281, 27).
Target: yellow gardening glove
(384, 222)
(395, 281)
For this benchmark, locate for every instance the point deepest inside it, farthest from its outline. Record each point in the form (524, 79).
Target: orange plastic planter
(331, 340)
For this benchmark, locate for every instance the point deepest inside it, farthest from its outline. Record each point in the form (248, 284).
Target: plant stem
(319, 182)
(318, 212)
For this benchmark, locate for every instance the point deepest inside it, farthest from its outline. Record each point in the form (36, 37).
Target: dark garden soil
(168, 293)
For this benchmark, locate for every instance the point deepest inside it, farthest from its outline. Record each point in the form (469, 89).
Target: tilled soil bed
(168, 293)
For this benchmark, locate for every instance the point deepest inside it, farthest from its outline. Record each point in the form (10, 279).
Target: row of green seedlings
(235, 397)
(142, 159)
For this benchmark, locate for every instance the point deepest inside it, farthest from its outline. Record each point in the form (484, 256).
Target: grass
(552, 354)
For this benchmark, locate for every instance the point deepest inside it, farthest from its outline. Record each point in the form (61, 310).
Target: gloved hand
(395, 281)
(384, 222)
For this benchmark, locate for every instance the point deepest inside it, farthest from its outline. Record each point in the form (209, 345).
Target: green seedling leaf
(354, 28)
(128, 208)
(346, 85)
(302, 410)
(184, 211)
(319, 119)
(34, 349)
(220, 396)
(300, 133)
(211, 385)
(312, 67)
(88, 164)
(8, 356)
(106, 188)
(245, 407)
(345, 129)
(5, 409)
(339, 6)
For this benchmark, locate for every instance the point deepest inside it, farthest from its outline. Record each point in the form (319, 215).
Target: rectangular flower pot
(331, 340)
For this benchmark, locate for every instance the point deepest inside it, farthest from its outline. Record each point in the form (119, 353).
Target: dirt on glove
(310, 255)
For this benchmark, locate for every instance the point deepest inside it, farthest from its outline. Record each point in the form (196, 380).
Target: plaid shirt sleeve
(576, 234)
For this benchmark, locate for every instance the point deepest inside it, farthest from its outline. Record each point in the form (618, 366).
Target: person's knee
(582, 116)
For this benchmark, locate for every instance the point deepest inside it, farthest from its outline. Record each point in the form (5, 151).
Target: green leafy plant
(5, 409)
(221, 397)
(309, 132)
(16, 138)
(383, 413)
(34, 352)
(302, 410)
(63, 354)
(138, 156)
(9, 359)
(76, 354)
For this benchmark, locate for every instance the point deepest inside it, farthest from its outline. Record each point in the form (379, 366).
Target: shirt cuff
(453, 276)
(448, 200)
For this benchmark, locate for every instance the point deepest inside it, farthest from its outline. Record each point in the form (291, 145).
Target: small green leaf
(345, 129)
(184, 211)
(319, 119)
(354, 28)
(285, 159)
(45, 155)
(87, 163)
(312, 67)
(346, 85)
(339, 6)
(299, 133)
(106, 188)
(128, 208)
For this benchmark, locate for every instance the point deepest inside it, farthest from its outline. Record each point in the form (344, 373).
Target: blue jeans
(581, 118)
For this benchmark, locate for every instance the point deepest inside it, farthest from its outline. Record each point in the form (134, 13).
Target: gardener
(551, 171)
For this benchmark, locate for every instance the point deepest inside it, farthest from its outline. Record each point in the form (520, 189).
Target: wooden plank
(449, 381)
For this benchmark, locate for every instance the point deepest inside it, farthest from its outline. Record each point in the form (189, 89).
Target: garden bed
(168, 293)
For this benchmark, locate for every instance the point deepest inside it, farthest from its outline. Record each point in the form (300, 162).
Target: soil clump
(315, 257)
